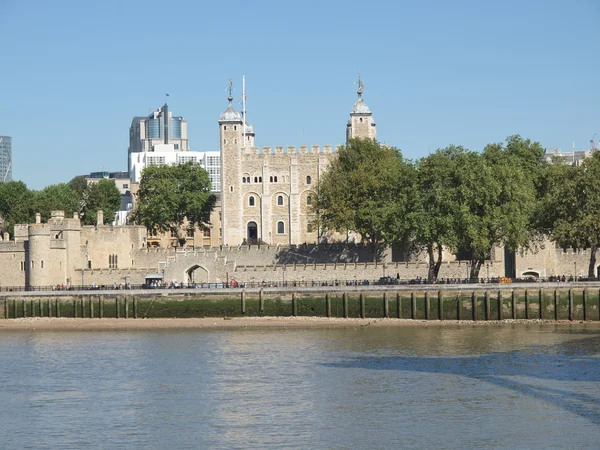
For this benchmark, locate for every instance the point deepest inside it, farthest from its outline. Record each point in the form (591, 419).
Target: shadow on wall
(330, 253)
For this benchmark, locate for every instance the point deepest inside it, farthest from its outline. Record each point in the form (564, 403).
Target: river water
(522, 386)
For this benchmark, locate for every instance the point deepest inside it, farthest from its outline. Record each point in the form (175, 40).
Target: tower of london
(266, 194)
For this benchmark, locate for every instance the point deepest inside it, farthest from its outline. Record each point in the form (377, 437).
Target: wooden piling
(294, 305)
(49, 307)
(513, 305)
(571, 312)
(474, 306)
(486, 300)
(426, 305)
(386, 306)
(40, 307)
(540, 303)
(345, 304)
(526, 304)
(261, 302)
(555, 304)
(24, 308)
(32, 304)
(398, 306)
(74, 308)
(413, 305)
(101, 307)
(440, 299)
(14, 302)
(91, 307)
(499, 297)
(243, 300)
(584, 295)
(57, 308)
(126, 308)
(5, 308)
(117, 313)
(82, 303)
(458, 307)
(327, 305)
(135, 307)
(362, 306)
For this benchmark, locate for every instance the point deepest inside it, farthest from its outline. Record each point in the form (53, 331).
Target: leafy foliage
(103, 195)
(572, 206)
(170, 195)
(435, 210)
(369, 189)
(16, 205)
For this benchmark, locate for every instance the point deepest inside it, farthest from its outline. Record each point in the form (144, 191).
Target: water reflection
(369, 387)
(572, 361)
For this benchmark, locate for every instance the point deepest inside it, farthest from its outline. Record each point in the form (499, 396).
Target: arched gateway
(197, 274)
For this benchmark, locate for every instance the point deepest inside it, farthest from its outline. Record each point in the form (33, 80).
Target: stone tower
(361, 124)
(230, 135)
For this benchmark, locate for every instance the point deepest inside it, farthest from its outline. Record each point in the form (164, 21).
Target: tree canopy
(572, 206)
(16, 205)
(368, 189)
(170, 195)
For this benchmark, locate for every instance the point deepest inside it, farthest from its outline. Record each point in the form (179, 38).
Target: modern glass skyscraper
(5, 158)
(156, 129)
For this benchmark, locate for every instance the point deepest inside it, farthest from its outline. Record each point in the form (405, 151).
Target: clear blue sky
(74, 73)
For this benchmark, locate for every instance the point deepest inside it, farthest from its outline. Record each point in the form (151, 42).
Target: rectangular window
(125, 186)
(42, 264)
(173, 233)
(190, 232)
(207, 232)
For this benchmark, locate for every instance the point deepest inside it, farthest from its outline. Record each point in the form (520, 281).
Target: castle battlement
(292, 149)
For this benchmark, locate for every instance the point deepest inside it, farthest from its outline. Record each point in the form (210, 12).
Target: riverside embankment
(475, 302)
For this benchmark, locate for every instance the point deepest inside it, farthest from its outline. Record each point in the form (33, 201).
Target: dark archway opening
(252, 235)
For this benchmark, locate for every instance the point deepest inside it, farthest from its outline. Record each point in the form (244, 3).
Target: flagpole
(244, 110)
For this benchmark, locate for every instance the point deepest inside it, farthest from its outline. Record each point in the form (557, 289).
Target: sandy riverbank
(66, 324)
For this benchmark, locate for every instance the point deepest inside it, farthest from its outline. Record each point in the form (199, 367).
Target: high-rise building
(5, 158)
(159, 131)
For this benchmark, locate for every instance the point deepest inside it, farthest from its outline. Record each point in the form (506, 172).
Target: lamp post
(575, 271)
(487, 267)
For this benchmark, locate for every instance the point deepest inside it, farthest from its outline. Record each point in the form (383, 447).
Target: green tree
(497, 198)
(56, 197)
(16, 205)
(172, 194)
(436, 208)
(368, 189)
(572, 206)
(103, 195)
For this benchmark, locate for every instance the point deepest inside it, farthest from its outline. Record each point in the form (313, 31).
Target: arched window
(256, 179)
(251, 201)
(260, 179)
(280, 228)
(235, 127)
(280, 200)
(361, 119)
(243, 179)
(308, 200)
(308, 179)
(224, 127)
(275, 178)
(270, 179)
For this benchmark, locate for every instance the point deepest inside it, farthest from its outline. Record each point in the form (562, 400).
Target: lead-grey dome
(248, 129)
(360, 107)
(230, 114)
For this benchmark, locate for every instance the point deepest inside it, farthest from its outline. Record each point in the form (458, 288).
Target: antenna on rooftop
(592, 143)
